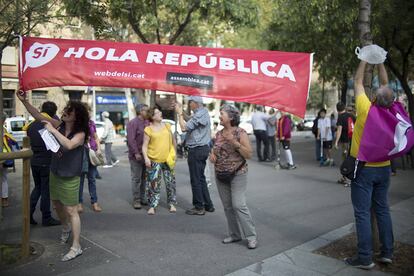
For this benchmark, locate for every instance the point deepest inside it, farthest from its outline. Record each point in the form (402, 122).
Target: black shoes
(195, 211)
(210, 209)
(358, 263)
(51, 222)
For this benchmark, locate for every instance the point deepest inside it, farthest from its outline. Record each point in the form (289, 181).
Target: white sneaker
(116, 162)
(107, 166)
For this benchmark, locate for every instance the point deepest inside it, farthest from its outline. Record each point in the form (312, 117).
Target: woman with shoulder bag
(157, 149)
(90, 173)
(231, 149)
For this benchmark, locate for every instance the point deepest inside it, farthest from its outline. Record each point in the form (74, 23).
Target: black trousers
(261, 137)
(41, 190)
(197, 158)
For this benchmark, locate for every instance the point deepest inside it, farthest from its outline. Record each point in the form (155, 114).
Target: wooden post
(26, 201)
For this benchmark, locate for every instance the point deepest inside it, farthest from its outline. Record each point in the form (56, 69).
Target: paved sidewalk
(301, 261)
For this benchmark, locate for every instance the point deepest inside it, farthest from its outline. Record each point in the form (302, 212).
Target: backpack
(350, 127)
(9, 145)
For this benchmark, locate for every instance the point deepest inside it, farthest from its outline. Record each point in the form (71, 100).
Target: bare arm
(382, 74)
(359, 79)
(244, 147)
(338, 134)
(69, 144)
(145, 150)
(34, 112)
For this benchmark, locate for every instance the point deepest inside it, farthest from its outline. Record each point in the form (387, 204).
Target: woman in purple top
(94, 144)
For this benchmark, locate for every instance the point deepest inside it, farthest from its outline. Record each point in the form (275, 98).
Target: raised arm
(359, 79)
(383, 76)
(33, 110)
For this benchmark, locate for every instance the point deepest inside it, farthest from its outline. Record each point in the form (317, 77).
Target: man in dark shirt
(40, 163)
(343, 134)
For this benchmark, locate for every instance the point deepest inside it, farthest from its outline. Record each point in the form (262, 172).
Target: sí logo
(40, 54)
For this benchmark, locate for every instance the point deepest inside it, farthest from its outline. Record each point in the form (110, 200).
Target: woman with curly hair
(71, 132)
(231, 149)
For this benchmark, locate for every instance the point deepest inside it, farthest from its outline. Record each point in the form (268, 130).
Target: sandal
(64, 237)
(172, 209)
(72, 254)
(342, 181)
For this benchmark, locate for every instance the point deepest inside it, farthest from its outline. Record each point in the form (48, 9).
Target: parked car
(14, 125)
(306, 123)
(246, 124)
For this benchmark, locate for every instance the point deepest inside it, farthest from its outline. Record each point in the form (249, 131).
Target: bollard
(26, 202)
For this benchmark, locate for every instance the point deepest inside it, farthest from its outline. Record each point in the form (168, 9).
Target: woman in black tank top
(71, 132)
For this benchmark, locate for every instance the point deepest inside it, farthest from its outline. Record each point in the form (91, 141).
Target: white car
(14, 126)
(99, 128)
(246, 124)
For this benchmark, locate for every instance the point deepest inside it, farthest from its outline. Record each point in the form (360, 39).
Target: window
(38, 98)
(8, 102)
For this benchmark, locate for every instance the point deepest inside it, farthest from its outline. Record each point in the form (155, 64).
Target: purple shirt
(135, 136)
(92, 132)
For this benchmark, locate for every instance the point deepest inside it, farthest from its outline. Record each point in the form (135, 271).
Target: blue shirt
(198, 129)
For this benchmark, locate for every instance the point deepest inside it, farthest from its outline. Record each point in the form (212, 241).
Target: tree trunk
(364, 26)
(344, 88)
(410, 98)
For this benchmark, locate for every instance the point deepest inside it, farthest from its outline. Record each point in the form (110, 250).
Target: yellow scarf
(26, 126)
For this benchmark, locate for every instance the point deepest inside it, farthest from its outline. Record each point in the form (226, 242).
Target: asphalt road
(288, 207)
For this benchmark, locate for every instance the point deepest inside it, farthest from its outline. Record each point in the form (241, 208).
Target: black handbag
(351, 167)
(227, 177)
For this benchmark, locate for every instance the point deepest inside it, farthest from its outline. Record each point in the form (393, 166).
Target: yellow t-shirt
(159, 144)
(363, 104)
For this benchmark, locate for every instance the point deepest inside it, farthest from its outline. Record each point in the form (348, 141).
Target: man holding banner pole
(197, 139)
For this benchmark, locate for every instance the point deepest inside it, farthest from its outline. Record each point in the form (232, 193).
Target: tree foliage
(164, 21)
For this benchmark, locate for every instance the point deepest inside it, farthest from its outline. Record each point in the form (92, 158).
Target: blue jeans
(370, 189)
(91, 174)
(41, 190)
(197, 158)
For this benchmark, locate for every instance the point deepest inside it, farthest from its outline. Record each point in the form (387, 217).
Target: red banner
(270, 78)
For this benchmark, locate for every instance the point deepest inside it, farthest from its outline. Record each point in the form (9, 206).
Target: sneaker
(356, 262)
(230, 240)
(195, 211)
(209, 209)
(252, 244)
(291, 167)
(137, 205)
(116, 162)
(51, 222)
(384, 260)
(107, 166)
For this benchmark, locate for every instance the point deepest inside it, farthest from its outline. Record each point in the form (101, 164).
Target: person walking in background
(108, 137)
(333, 126)
(94, 144)
(66, 166)
(158, 141)
(135, 139)
(198, 136)
(259, 120)
(284, 134)
(9, 145)
(40, 164)
(229, 154)
(325, 133)
(271, 133)
(345, 126)
(315, 133)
